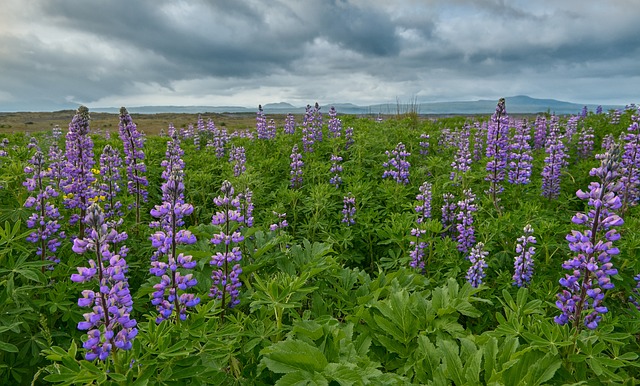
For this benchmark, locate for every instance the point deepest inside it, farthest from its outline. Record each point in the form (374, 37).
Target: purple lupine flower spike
(554, 162)
(424, 144)
(349, 209)
(133, 143)
(225, 276)
(630, 167)
(497, 151)
(475, 273)
(397, 166)
(580, 302)
(110, 164)
(540, 134)
(296, 167)
(520, 158)
(523, 264)
(290, 124)
(171, 296)
(424, 203)
(462, 161)
(78, 182)
(464, 216)
(336, 169)
(44, 220)
(448, 214)
(238, 158)
(109, 323)
(348, 136)
(335, 124)
(417, 253)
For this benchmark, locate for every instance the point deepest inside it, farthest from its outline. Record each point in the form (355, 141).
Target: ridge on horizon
(518, 104)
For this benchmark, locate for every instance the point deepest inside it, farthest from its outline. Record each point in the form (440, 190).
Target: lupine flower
(349, 209)
(220, 139)
(417, 251)
(133, 142)
(226, 278)
(316, 123)
(448, 214)
(554, 163)
(166, 261)
(584, 112)
(271, 129)
(56, 165)
(56, 133)
(336, 169)
(290, 124)
(238, 158)
(591, 267)
(599, 110)
(246, 207)
(335, 124)
(77, 184)
(540, 135)
(261, 124)
(523, 264)
(464, 216)
(446, 139)
(348, 136)
(33, 143)
(462, 161)
(109, 323)
(607, 142)
(497, 151)
(571, 129)
(379, 118)
(630, 167)
(615, 117)
(110, 164)
(585, 143)
(173, 156)
(424, 144)
(280, 223)
(475, 273)
(46, 234)
(424, 203)
(520, 158)
(479, 136)
(201, 132)
(634, 299)
(397, 165)
(296, 167)
(308, 134)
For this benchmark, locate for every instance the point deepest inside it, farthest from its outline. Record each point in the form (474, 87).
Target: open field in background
(151, 124)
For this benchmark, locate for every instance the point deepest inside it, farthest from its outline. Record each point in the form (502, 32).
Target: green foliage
(323, 303)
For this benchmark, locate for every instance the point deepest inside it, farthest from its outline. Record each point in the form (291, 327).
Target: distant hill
(519, 104)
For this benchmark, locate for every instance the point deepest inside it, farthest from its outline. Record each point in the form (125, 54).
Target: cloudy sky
(55, 53)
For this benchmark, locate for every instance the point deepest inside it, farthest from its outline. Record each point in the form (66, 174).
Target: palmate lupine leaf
(293, 355)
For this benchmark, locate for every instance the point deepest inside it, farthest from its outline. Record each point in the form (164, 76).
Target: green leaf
(8, 347)
(302, 378)
(452, 361)
(292, 355)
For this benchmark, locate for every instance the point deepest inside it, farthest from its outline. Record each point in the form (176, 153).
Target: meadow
(322, 249)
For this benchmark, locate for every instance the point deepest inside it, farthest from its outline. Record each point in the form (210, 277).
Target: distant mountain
(278, 106)
(519, 104)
